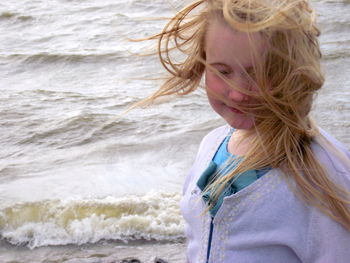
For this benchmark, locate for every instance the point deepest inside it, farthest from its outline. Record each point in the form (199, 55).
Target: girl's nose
(235, 94)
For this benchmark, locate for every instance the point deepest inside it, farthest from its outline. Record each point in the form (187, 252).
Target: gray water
(72, 172)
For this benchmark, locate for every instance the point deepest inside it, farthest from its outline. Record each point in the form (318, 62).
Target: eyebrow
(218, 63)
(248, 68)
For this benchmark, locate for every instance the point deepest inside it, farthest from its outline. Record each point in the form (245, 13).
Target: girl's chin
(245, 124)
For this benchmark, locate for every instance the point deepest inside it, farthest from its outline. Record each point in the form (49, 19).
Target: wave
(46, 57)
(335, 1)
(11, 15)
(29, 114)
(339, 54)
(78, 130)
(154, 216)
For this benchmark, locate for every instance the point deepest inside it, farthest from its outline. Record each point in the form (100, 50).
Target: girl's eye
(251, 73)
(224, 72)
(221, 68)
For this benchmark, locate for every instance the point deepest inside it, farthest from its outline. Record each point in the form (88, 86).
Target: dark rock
(130, 260)
(159, 260)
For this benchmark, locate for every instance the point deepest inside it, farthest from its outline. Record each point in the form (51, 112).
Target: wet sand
(102, 252)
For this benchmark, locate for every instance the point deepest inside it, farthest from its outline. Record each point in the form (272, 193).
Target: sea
(82, 182)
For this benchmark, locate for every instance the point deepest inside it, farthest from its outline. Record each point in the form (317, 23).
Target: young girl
(270, 186)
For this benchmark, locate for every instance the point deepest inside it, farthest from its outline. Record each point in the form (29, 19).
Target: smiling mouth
(235, 110)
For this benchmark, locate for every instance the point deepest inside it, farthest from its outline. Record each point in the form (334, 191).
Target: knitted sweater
(266, 221)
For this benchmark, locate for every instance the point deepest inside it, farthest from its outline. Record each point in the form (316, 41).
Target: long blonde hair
(292, 72)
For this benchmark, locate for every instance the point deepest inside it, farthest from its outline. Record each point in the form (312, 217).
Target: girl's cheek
(214, 84)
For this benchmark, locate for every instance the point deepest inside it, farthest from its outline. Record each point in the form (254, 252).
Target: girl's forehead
(226, 44)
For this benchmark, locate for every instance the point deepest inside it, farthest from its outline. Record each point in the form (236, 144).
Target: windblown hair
(287, 80)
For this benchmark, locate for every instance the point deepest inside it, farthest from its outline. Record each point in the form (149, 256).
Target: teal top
(235, 184)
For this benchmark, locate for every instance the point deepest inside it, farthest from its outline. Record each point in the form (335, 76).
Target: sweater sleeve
(328, 241)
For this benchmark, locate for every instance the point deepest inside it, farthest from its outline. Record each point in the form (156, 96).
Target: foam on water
(154, 216)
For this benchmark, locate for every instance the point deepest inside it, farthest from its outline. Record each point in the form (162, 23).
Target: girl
(270, 186)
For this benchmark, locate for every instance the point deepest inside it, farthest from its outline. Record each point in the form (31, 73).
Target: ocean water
(78, 183)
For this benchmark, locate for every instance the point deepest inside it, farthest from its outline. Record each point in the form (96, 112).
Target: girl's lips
(235, 110)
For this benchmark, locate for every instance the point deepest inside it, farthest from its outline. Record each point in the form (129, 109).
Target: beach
(101, 252)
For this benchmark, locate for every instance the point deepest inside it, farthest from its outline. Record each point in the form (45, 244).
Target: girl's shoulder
(333, 141)
(206, 151)
(219, 132)
(332, 154)
(214, 138)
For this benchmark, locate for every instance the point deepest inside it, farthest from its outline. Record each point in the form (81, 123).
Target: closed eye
(224, 72)
(222, 68)
(251, 72)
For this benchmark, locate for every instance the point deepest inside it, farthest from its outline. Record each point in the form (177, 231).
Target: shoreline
(102, 252)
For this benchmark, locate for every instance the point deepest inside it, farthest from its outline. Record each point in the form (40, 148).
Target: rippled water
(71, 171)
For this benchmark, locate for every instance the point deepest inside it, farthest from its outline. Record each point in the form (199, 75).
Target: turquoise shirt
(234, 185)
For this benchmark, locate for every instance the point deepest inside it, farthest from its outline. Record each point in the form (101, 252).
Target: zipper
(210, 238)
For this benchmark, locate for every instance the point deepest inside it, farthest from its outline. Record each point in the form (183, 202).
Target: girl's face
(230, 53)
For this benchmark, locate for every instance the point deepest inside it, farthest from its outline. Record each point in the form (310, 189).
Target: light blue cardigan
(265, 222)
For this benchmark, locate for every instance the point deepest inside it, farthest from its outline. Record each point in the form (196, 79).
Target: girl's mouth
(235, 110)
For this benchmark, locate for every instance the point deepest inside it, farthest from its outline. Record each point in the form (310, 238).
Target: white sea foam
(154, 216)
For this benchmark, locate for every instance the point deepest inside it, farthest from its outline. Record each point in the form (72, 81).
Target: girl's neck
(239, 143)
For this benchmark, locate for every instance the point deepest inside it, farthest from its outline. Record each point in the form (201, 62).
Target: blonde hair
(287, 81)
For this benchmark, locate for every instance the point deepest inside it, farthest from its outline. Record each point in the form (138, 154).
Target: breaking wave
(154, 216)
